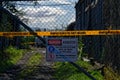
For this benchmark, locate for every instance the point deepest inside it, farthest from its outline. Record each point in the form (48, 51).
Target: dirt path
(43, 71)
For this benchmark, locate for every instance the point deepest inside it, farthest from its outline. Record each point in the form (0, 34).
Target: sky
(49, 14)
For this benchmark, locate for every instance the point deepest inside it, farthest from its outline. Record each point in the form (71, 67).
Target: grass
(65, 71)
(30, 66)
(34, 60)
(110, 74)
(12, 56)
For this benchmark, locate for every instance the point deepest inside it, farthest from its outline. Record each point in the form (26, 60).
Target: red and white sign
(54, 42)
(61, 49)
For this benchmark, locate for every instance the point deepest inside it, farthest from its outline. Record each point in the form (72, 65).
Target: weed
(13, 55)
(30, 66)
(65, 71)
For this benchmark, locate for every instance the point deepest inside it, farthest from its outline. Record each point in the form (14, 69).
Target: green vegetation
(34, 60)
(110, 74)
(65, 71)
(80, 48)
(31, 65)
(5, 24)
(12, 56)
(26, 40)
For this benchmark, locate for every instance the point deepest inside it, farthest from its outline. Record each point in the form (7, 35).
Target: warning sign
(61, 49)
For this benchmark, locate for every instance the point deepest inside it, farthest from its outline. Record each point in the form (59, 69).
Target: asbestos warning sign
(61, 49)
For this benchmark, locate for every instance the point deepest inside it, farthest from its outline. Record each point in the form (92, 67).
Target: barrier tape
(62, 33)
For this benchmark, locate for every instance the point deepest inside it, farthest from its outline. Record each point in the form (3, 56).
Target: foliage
(71, 72)
(71, 26)
(65, 71)
(26, 40)
(11, 6)
(30, 66)
(34, 60)
(5, 24)
(13, 56)
(110, 74)
(80, 49)
(78, 77)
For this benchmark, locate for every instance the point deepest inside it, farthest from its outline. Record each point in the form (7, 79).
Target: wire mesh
(97, 15)
(47, 15)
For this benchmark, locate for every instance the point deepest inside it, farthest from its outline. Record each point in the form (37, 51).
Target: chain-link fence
(98, 15)
(50, 15)
(45, 14)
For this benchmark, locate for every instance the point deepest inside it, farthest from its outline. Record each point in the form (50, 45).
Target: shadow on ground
(39, 73)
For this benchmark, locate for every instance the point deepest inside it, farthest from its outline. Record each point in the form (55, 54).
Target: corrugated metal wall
(89, 17)
(97, 17)
(111, 18)
(100, 15)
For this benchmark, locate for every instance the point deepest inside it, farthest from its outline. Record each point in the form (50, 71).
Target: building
(100, 15)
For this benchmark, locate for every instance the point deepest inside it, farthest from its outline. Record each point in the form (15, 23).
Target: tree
(71, 26)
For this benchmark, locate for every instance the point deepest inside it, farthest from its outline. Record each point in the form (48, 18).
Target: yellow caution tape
(63, 33)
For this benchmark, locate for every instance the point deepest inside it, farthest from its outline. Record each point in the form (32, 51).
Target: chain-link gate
(58, 15)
